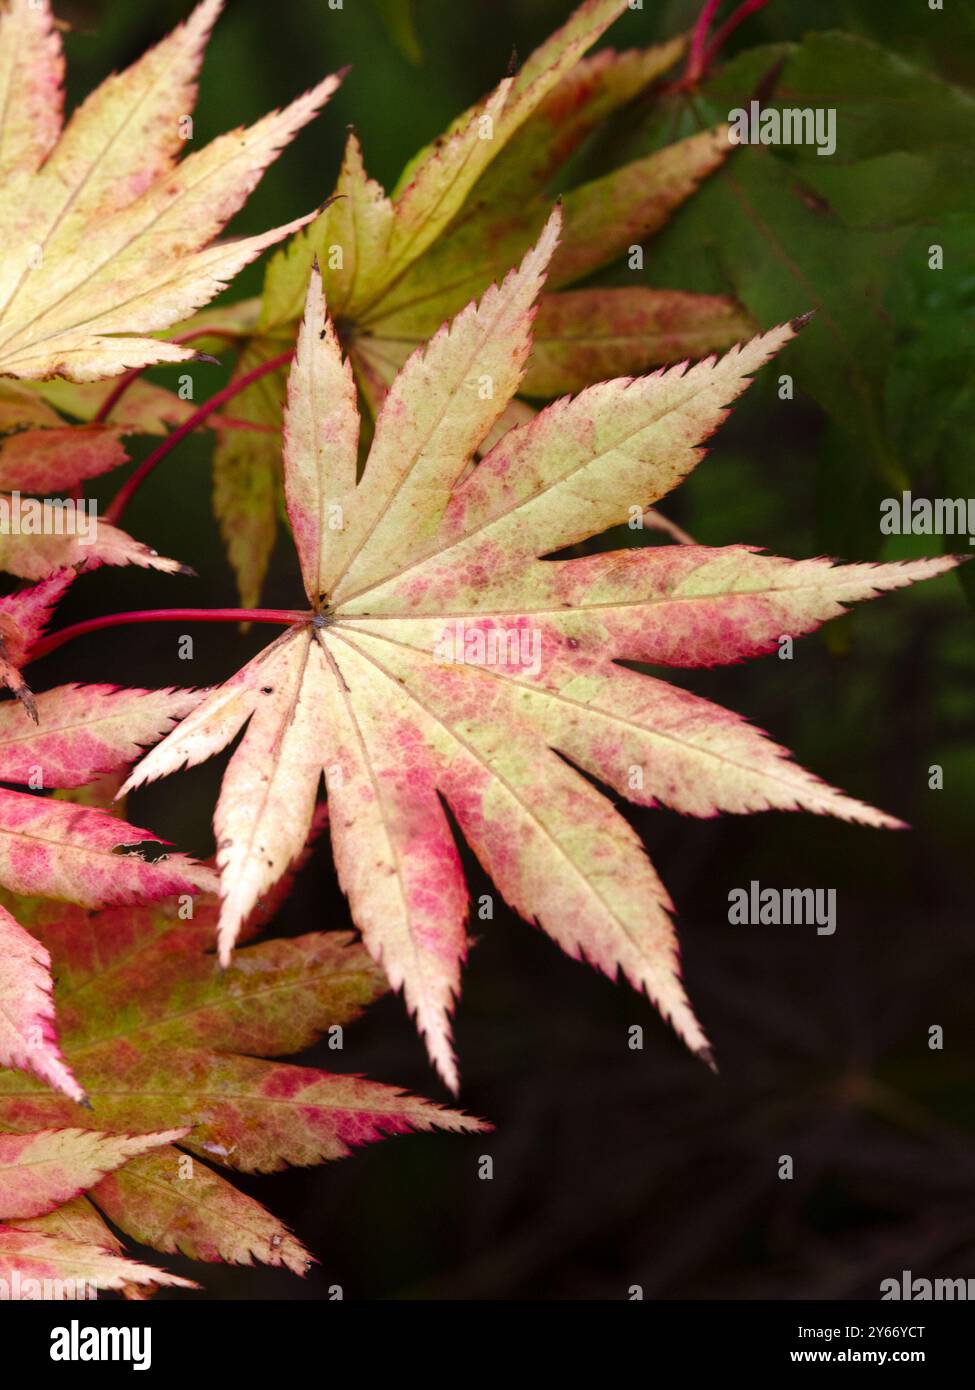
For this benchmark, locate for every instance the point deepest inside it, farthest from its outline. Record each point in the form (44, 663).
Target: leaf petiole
(128, 489)
(702, 54)
(283, 617)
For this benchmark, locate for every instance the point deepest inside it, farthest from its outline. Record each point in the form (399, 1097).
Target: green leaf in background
(787, 230)
(399, 17)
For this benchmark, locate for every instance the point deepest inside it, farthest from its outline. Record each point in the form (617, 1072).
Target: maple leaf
(52, 1243)
(71, 853)
(40, 452)
(51, 460)
(443, 658)
(42, 541)
(464, 210)
(152, 1026)
(27, 1034)
(35, 1257)
(81, 731)
(57, 434)
(39, 1172)
(106, 232)
(67, 737)
(582, 335)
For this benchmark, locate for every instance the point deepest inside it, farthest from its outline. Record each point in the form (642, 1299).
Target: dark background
(616, 1167)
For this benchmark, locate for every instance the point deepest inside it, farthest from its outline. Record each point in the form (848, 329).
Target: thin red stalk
(115, 395)
(125, 381)
(699, 38)
(128, 489)
(282, 616)
(746, 8)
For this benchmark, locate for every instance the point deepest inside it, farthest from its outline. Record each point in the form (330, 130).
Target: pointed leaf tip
(128, 228)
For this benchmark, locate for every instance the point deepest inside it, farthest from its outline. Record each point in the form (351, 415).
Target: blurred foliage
(614, 1166)
(399, 17)
(848, 236)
